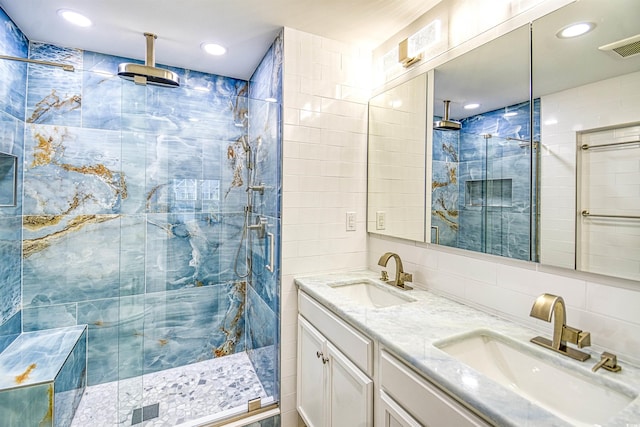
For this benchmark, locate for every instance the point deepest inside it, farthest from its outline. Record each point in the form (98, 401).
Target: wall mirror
(514, 180)
(8, 179)
(589, 92)
(396, 161)
(483, 159)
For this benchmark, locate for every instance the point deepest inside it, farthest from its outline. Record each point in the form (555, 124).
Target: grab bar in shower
(65, 67)
(611, 144)
(272, 248)
(585, 213)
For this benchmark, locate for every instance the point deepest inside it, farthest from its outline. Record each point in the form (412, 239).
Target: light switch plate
(381, 220)
(351, 221)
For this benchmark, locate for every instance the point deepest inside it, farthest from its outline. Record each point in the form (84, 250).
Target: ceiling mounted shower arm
(148, 73)
(150, 58)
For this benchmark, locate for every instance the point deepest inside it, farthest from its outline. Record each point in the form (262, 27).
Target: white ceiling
(246, 27)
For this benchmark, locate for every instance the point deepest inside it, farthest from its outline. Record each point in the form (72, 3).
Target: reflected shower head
(445, 123)
(148, 73)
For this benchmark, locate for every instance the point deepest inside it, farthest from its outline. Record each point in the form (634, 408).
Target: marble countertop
(410, 330)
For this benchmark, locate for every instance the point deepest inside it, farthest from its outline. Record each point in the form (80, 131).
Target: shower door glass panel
(508, 198)
(483, 201)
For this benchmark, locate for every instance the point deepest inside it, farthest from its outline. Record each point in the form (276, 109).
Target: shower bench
(43, 376)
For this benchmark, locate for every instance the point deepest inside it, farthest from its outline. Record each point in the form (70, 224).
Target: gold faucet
(543, 308)
(401, 276)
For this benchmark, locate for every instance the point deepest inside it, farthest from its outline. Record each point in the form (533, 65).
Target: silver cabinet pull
(272, 247)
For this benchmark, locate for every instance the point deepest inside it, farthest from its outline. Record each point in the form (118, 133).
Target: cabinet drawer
(357, 347)
(424, 401)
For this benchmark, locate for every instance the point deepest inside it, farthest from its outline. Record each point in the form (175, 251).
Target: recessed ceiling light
(471, 106)
(270, 99)
(510, 114)
(213, 48)
(575, 30)
(75, 18)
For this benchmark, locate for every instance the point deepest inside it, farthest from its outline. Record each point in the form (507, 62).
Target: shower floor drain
(145, 413)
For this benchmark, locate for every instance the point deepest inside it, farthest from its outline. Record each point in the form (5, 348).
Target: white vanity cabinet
(334, 387)
(408, 400)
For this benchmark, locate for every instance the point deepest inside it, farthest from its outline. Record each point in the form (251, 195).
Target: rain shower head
(445, 123)
(148, 73)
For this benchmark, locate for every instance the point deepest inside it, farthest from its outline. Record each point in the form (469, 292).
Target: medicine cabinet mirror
(396, 161)
(515, 180)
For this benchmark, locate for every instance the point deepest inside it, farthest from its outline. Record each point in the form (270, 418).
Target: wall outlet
(381, 220)
(351, 221)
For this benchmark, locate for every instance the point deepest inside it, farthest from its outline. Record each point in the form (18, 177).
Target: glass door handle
(272, 247)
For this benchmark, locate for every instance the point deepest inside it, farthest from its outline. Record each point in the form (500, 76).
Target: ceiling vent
(624, 48)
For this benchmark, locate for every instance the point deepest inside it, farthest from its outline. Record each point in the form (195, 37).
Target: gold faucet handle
(384, 276)
(608, 361)
(407, 277)
(584, 339)
(576, 336)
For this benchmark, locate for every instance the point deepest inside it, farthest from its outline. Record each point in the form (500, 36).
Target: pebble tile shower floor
(185, 393)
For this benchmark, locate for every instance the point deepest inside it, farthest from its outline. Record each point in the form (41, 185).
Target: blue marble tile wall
(262, 319)
(467, 155)
(497, 227)
(70, 383)
(13, 84)
(133, 207)
(445, 211)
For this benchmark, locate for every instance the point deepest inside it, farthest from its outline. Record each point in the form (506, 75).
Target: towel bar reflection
(585, 213)
(612, 144)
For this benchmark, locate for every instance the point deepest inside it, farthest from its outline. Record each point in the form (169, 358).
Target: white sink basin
(371, 294)
(572, 396)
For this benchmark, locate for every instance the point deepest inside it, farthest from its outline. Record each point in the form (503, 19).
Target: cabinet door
(393, 415)
(350, 392)
(311, 396)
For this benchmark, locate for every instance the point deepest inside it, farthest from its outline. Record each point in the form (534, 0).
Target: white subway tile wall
(508, 288)
(324, 174)
(609, 102)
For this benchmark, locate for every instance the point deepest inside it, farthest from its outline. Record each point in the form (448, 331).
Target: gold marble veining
(236, 164)
(31, 246)
(452, 178)
(25, 375)
(50, 149)
(152, 193)
(36, 222)
(231, 330)
(47, 420)
(54, 102)
(442, 216)
(45, 150)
